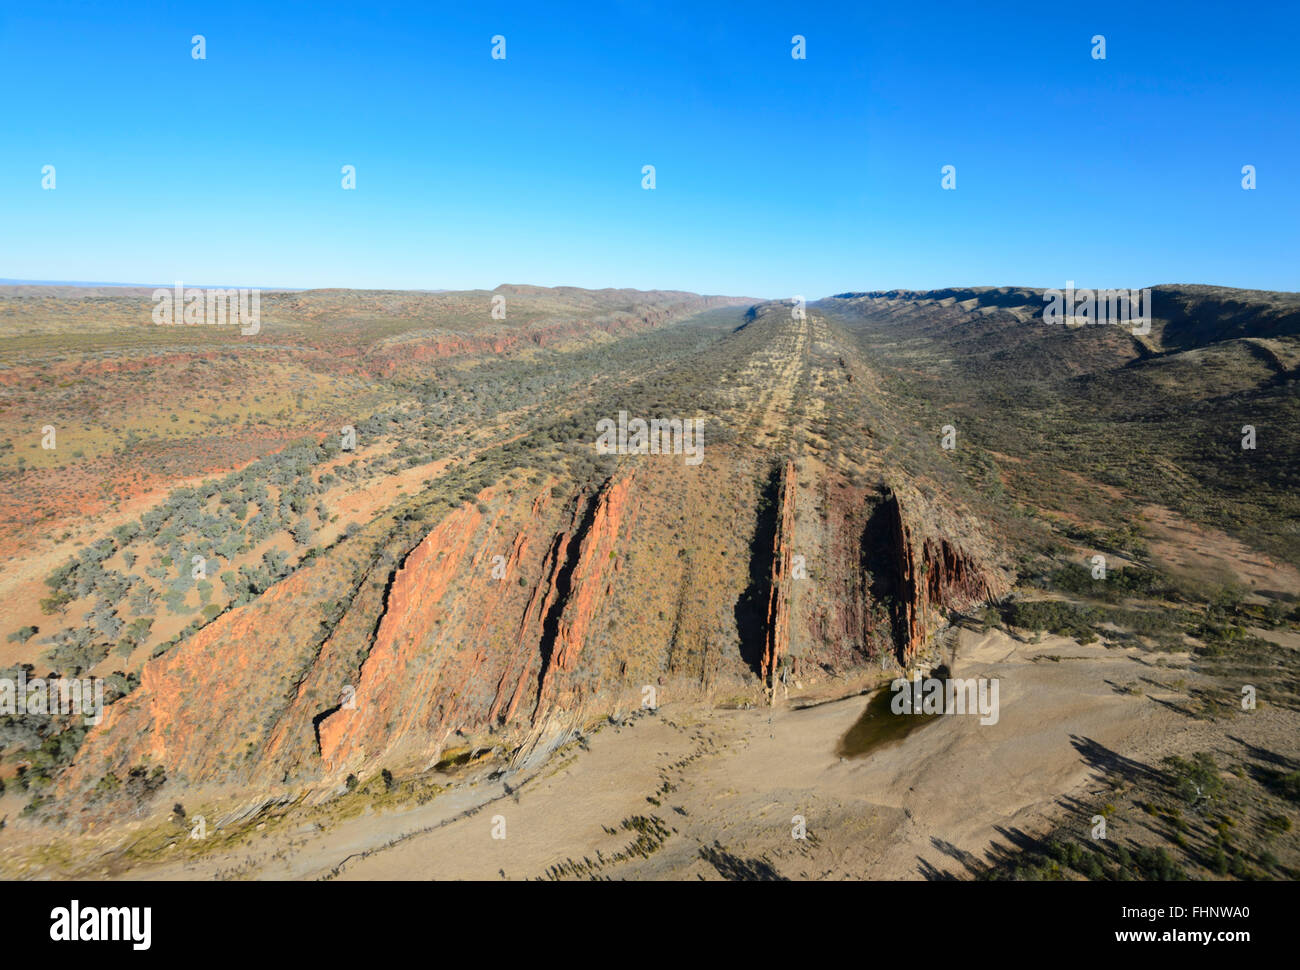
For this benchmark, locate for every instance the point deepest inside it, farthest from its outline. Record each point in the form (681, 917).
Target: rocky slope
(518, 595)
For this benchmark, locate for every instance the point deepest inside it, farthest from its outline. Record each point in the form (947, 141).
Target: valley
(350, 660)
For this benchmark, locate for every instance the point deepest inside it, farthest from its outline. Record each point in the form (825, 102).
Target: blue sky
(775, 176)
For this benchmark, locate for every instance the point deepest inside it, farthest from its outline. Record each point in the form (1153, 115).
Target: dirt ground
(699, 793)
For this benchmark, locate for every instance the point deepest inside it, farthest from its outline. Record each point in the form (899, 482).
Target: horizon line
(91, 284)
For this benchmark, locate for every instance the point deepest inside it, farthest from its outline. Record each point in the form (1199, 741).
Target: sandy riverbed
(728, 785)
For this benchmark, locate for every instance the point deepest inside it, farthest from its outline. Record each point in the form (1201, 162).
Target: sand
(736, 780)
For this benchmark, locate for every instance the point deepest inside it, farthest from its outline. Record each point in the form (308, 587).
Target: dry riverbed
(691, 792)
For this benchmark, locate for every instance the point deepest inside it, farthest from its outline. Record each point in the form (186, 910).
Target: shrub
(1061, 619)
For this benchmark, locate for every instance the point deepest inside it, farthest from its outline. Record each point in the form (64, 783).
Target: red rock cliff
(778, 604)
(921, 578)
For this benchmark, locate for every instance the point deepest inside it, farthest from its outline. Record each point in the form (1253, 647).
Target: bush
(1061, 619)
(1196, 780)
(55, 604)
(301, 532)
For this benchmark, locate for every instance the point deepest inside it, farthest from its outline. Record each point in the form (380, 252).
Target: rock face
(454, 648)
(404, 664)
(577, 590)
(953, 579)
(576, 578)
(778, 605)
(515, 615)
(416, 683)
(203, 709)
(894, 592)
(915, 579)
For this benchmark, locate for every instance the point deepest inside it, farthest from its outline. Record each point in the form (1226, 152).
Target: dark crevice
(751, 608)
(563, 585)
(319, 719)
(882, 554)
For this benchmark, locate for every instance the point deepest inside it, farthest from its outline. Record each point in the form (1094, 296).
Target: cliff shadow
(751, 607)
(880, 555)
(564, 586)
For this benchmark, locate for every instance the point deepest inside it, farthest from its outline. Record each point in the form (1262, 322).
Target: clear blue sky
(775, 176)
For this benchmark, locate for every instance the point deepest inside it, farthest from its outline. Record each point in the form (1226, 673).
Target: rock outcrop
(371, 658)
(444, 642)
(914, 579)
(777, 643)
(430, 651)
(576, 578)
(398, 694)
(579, 589)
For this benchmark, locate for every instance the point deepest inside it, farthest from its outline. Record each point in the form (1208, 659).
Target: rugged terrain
(340, 654)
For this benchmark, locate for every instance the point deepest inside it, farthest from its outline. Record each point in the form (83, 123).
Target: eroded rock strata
(777, 643)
